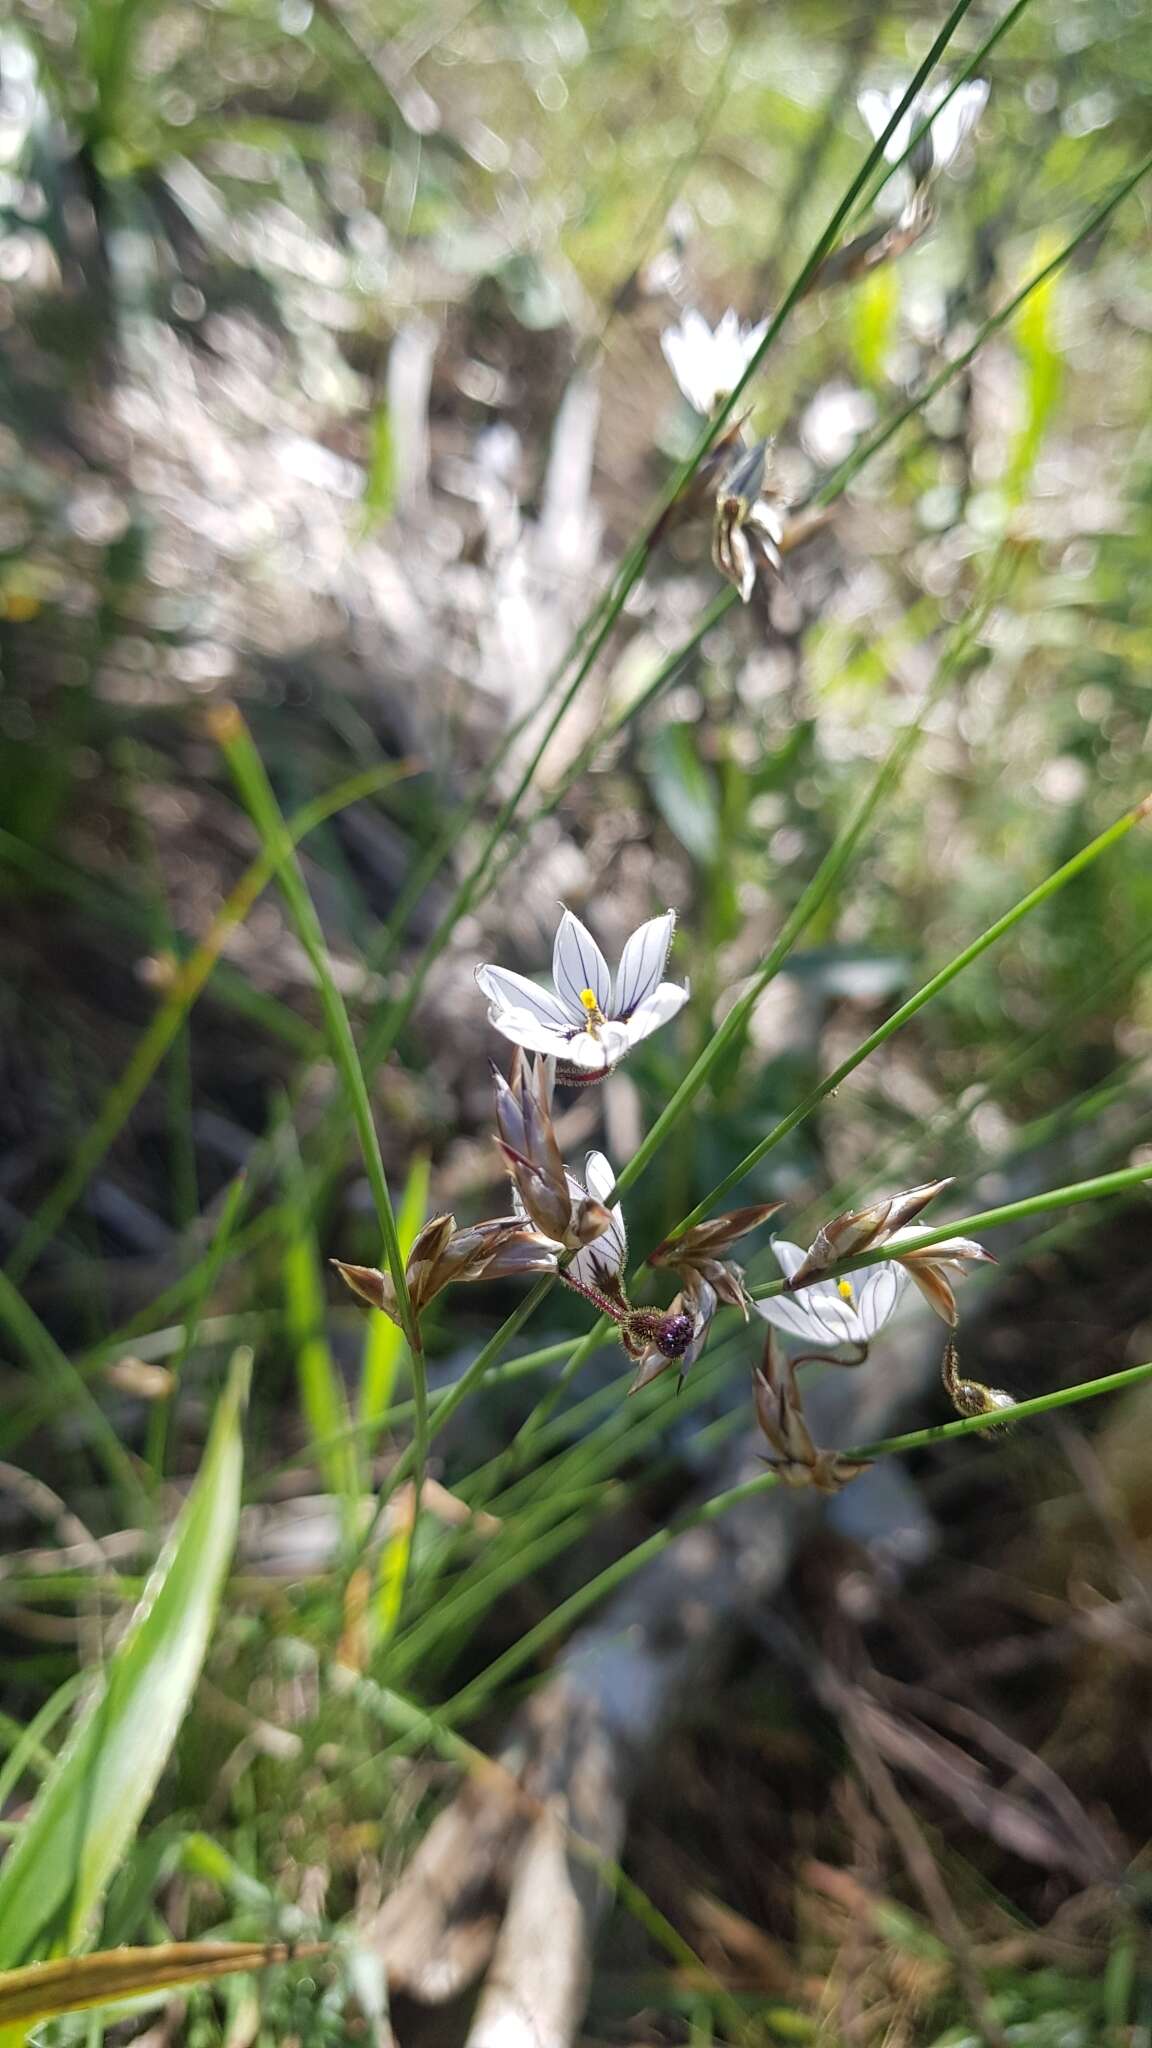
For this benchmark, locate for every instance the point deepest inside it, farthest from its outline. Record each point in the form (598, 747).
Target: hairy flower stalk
(970, 1397)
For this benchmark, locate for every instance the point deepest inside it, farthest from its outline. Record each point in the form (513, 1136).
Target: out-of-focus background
(331, 386)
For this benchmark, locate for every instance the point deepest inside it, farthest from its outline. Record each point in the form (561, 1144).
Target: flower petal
(600, 1180)
(524, 1028)
(596, 1052)
(955, 121)
(508, 991)
(877, 109)
(657, 1009)
(878, 1290)
(578, 964)
(826, 1320)
(642, 963)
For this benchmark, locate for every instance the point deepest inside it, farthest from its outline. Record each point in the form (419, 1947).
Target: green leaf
(684, 792)
(90, 1806)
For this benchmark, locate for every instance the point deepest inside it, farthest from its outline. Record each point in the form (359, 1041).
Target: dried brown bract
(502, 1248)
(780, 1414)
(860, 1230)
(695, 1253)
(527, 1139)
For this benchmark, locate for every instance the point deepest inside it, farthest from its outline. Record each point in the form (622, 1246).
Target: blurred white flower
(935, 151)
(588, 1023)
(747, 529)
(829, 1312)
(708, 362)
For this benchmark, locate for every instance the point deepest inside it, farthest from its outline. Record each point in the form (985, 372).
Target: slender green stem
(1035, 897)
(840, 478)
(1095, 1190)
(819, 889)
(473, 1695)
(251, 780)
(966, 71)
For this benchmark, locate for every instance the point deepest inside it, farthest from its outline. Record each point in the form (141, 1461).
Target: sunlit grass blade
(89, 1808)
(44, 1991)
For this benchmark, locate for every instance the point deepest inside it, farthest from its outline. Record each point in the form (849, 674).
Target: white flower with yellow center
(708, 362)
(828, 1312)
(590, 1022)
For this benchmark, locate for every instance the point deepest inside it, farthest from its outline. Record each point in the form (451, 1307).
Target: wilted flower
(935, 150)
(707, 362)
(971, 1397)
(694, 1306)
(748, 530)
(930, 1268)
(551, 1199)
(588, 1024)
(695, 1252)
(859, 1230)
(780, 1414)
(503, 1248)
(828, 1312)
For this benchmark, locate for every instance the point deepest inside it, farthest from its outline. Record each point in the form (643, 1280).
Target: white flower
(936, 150)
(588, 1023)
(828, 1312)
(707, 362)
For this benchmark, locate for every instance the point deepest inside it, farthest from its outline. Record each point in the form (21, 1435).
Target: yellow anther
(844, 1290)
(588, 999)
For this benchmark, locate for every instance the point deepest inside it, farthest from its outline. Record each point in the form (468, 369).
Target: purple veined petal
(600, 1180)
(524, 1028)
(578, 964)
(827, 1320)
(641, 966)
(789, 1257)
(657, 1009)
(508, 991)
(877, 1290)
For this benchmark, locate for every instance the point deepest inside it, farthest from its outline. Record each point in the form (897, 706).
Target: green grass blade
(924, 995)
(89, 1808)
(383, 1342)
